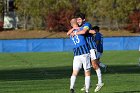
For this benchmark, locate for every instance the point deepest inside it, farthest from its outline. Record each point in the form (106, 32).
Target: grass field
(50, 73)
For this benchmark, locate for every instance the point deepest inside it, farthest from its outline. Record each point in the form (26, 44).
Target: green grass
(50, 72)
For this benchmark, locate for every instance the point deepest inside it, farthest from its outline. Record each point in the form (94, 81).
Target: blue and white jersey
(79, 44)
(89, 37)
(99, 37)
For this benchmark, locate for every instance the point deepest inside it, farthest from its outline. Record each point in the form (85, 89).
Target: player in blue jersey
(99, 42)
(81, 57)
(86, 30)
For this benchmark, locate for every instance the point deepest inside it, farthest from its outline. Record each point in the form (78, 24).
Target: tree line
(55, 14)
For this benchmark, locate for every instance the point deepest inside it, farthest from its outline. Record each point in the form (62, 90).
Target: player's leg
(87, 66)
(99, 62)
(94, 62)
(87, 81)
(102, 65)
(76, 67)
(72, 80)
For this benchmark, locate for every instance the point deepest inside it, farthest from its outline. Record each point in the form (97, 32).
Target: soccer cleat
(72, 91)
(83, 89)
(98, 87)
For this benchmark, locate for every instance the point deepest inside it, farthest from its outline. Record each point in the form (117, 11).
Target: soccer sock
(87, 83)
(102, 65)
(72, 81)
(98, 71)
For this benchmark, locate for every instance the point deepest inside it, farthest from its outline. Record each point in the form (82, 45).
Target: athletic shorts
(99, 54)
(93, 54)
(80, 60)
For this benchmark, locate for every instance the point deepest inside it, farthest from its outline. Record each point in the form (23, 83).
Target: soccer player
(81, 57)
(99, 42)
(86, 27)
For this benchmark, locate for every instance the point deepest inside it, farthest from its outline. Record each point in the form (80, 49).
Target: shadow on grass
(58, 72)
(125, 69)
(36, 73)
(128, 92)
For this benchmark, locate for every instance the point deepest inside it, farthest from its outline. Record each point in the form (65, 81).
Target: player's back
(89, 37)
(80, 45)
(99, 37)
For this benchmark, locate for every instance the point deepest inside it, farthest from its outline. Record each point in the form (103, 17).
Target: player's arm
(98, 39)
(84, 31)
(70, 31)
(92, 31)
(97, 42)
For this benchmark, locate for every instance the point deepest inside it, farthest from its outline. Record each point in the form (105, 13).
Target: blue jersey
(99, 37)
(89, 37)
(79, 44)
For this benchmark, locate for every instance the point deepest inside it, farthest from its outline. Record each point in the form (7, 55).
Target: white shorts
(80, 60)
(99, 54)
(93, 54)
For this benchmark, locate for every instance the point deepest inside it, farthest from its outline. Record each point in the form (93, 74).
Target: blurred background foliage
(54, 15)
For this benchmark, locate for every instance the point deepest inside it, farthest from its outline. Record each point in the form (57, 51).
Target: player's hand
(72, 34)
(92, 31)
(76, 28)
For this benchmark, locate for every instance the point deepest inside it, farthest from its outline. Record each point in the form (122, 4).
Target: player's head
(80, 17)
(73, 22)
(96, 28)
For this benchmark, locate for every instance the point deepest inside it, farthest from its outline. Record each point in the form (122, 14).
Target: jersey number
(76, 39)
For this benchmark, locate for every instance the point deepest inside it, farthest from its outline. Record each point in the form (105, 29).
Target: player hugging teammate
(84, 44)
